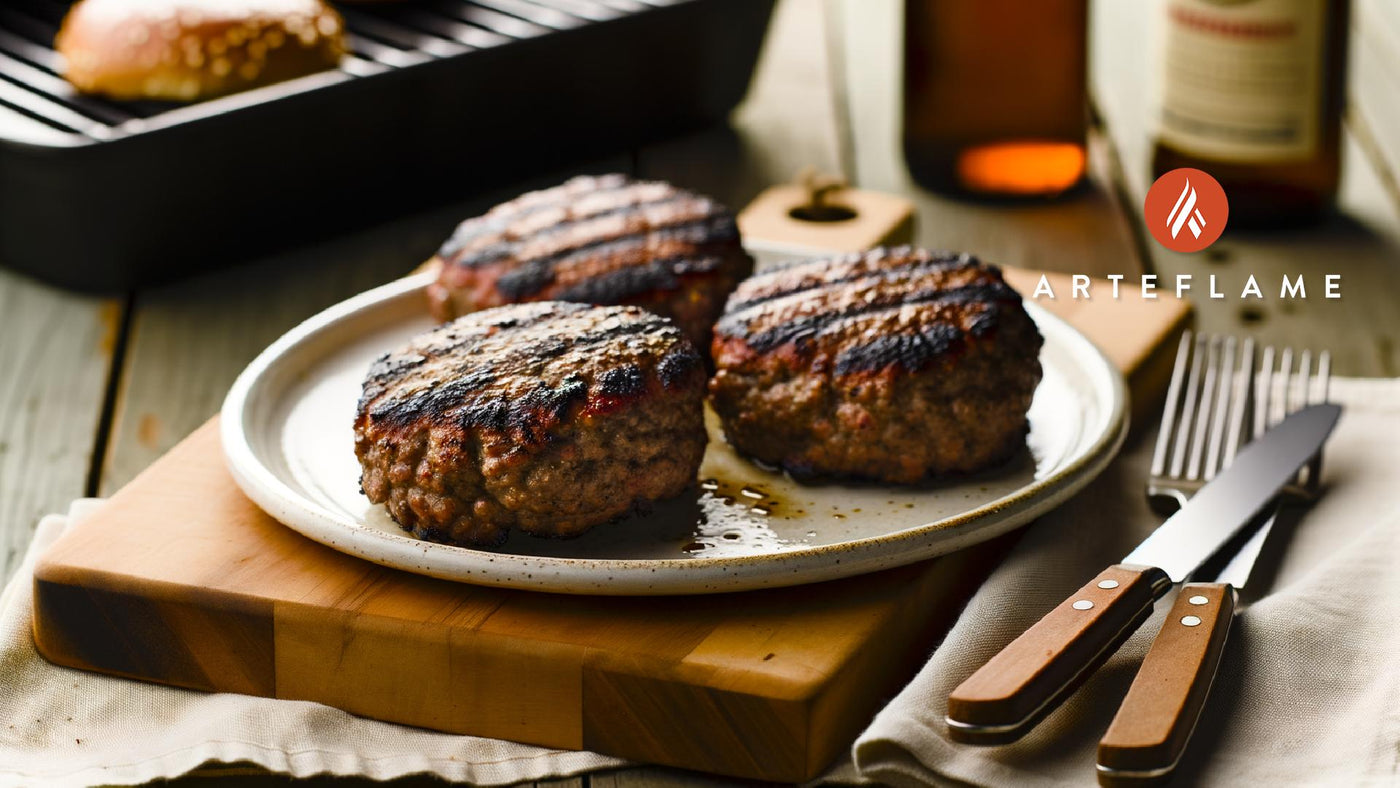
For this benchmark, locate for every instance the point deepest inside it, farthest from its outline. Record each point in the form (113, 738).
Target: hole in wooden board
(823, 213)
(1215, 254)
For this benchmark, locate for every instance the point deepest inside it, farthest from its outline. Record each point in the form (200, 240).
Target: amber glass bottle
(1252, 93)
(994, 95)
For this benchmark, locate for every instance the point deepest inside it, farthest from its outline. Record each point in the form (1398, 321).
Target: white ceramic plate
(288, 439)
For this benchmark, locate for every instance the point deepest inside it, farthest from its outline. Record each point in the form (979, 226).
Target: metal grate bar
(396, 35)
(50, 112)
(585, 9)
(383, 54)
(483, 17)
(38, 54)
(450, 29)
(58, 88)
(625, 6)
(360, 67)
(541, 15)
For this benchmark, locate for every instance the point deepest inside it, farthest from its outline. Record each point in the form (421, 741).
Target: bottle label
(1243, 78)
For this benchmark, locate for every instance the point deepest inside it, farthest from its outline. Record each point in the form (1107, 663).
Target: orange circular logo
(1186, 210)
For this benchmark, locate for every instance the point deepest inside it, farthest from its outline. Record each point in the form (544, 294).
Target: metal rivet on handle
(1190, 621)
(1198, 600)
(1083, 604)
(1108, 584)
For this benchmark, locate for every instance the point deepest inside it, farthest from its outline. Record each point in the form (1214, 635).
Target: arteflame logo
(1186, 210)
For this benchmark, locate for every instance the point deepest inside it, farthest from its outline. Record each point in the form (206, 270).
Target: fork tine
(1239, 402)
(1302, 381)
(1218, 422)
(1279, 407)
(1318, 393)
(1204, 409)
(1263, 391)
(1324, 374)
(1173, 404)
(1188, 410)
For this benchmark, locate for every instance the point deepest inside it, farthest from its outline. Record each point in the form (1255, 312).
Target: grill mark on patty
(677, 365)
(629, 281)
(532, 275)
(629, 199)
(516, 350)
(804, 328)
(388, 368)
(556, 236)
(911, 351)
(625, 381)
(938, 262)
(852, 308)
(531, 415)
(499, 220)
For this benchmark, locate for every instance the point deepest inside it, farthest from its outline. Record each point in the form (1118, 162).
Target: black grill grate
(381, 38)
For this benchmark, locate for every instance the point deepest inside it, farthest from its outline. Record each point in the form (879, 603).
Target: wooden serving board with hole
(180, 579)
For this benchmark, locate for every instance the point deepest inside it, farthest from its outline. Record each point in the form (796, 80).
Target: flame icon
(1186, 213)
(1197, 194)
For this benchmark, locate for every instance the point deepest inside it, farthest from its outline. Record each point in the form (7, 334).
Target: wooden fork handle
(1155, 721)
(1028, 678)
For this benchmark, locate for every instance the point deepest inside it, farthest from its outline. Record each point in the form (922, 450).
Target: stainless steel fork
(1215, 392)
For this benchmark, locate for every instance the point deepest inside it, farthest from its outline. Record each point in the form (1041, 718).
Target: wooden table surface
(94, 389)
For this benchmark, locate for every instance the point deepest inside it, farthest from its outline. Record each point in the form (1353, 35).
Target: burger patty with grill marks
(893, 365)
(547, 417)
(597, 240)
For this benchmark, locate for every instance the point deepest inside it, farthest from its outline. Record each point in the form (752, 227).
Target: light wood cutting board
(181, 580)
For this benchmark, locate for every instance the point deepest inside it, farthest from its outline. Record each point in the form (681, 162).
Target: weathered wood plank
(1085, 232)
(787, 122)
(1362, 243)
(56, 353)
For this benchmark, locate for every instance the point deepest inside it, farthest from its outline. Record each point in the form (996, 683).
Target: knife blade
(1028, 678)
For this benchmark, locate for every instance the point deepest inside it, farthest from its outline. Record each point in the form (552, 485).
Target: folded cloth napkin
(1309, 688)
(66, 727)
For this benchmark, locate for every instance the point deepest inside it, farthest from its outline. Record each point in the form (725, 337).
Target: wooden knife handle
(1028, 678)
(1155, 721)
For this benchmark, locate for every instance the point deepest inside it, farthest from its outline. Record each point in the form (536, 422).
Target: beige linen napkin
(65, 727)
(1309, 689)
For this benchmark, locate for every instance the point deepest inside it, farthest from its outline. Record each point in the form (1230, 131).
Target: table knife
(1154, 723)
(1008, 695)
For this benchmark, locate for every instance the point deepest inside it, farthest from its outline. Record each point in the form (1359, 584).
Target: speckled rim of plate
(659, 576)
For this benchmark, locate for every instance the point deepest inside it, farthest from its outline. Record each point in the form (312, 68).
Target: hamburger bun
(185, 50)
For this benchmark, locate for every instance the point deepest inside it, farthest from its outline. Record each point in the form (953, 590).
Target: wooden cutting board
(180, 579)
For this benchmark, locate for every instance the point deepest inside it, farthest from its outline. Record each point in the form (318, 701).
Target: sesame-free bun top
(184, 50)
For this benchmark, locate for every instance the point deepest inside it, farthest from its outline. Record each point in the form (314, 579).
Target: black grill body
(437, 101)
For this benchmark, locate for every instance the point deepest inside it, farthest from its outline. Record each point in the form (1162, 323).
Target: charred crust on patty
(599, 240)
(548, 418)
(893, 365)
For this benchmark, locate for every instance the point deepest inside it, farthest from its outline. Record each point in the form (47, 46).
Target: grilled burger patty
(891, 365)
(597, 240)
(546, 417)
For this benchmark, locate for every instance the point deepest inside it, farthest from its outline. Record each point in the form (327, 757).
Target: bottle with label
(995, 103)
(1252, 93)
